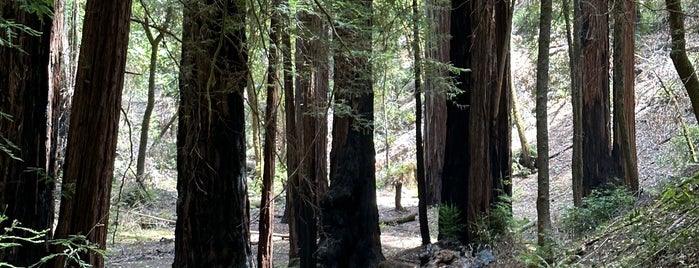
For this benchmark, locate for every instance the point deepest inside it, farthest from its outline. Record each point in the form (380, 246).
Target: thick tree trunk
(543, 202)
(352, 194)
(212, 207)
(596, 139)
(683, 65)
(624, 146)
(501, 153)
(26, 196)
(437, 83)
(477, 144)
(312, 85)
(92, 139)
(266, 224)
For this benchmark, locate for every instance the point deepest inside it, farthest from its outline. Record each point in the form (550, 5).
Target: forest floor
(145, 236)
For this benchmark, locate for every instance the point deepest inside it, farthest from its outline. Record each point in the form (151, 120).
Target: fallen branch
(398, 220)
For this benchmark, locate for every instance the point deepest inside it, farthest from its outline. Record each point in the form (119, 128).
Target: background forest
(352, 133)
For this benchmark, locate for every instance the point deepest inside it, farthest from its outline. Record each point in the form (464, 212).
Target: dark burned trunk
(419, 151)
(93, 136)
(436, 86)
(596, 142)
(477, 154)
(624, 147)
(26, 195)
(351, 235)
(212, 208)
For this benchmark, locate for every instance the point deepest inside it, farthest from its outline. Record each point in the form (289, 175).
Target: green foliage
(450, 221)
(15, 235)
(10, 29)
(599, 207)
(679, 154)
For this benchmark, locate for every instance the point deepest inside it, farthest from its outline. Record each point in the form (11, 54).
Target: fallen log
(398, 220)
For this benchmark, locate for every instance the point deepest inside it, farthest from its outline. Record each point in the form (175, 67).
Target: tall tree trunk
(624, 146)
(576, 96)
(420, 176)
(212, 206)
(92, 138)
(292, 148)
(26, 195)
(266, 225)
(474, 162)
(596, 140)
(679, 53)
(312, 86)
(437, 83)
(501, 128)
(352, 194)
(543, 202)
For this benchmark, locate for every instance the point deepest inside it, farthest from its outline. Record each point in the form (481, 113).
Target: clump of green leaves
(450, 221)
(599, 207)
(15, 235)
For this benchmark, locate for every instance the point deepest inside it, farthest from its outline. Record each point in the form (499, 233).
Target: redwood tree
(212, 207)
(266, 223)
(594, 59)
(312, 55)
(624, 145)
(92, 137)
(477, 142)
(26, 195)
(351, 235)
(436, 85)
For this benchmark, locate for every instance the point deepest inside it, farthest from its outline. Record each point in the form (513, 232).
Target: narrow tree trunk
(212, 208)
(683, 65)
(419, 152)
(292, 148)
(266, 224)
(543, 203)
(92, 139)
(624, 146)
(576, 97)
(25, 194)
(154, 42)
(526, 157)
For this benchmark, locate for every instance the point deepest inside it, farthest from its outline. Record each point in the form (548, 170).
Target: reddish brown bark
(624, 146)
(596, 141)
(476, 139)
(266, 223)
(93, 133)
(436, 86)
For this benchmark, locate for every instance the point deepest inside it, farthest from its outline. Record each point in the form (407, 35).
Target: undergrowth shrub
(450, 221)
(599, 207)
(14, 235)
